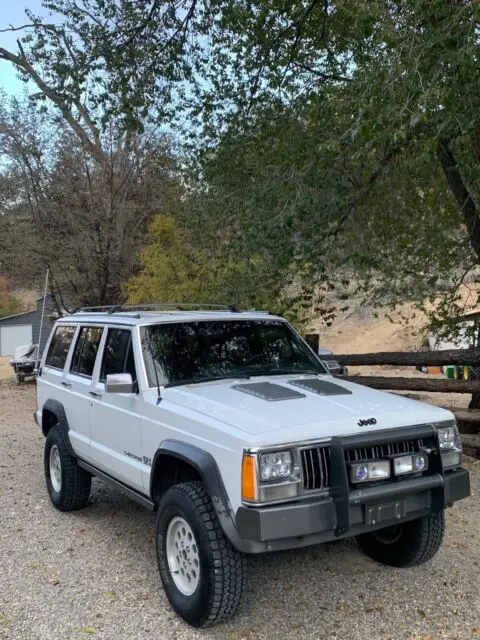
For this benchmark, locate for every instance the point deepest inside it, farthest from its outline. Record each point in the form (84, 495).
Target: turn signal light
(249, 484)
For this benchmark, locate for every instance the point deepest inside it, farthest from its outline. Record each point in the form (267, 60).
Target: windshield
(197, 351)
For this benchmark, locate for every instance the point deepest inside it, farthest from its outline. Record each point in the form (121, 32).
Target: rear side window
(86, 350)
(59, 347)
(118, 355)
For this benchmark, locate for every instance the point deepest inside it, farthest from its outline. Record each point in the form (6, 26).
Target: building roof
(18, 315)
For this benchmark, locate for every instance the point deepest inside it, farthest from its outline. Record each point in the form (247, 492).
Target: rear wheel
(405, 545)
(202, 574)
(67, 484)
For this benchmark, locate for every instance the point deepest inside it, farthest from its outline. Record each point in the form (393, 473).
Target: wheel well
(49, 420)
(168, 471)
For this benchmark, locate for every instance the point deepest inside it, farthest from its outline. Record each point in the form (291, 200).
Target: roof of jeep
(135, 318)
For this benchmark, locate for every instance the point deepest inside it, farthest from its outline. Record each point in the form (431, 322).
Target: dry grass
(6, 371)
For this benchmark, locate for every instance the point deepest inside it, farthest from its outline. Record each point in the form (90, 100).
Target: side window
(59, 347)
(86, 350)
(118, 355)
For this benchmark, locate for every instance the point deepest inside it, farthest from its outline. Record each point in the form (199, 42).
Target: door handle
(66, 384)
(95, 394)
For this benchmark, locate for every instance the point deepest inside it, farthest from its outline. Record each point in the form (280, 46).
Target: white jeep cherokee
(228, 425)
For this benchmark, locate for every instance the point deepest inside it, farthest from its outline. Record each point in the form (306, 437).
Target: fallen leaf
(110, 595)
(4, 621)
(89, 630)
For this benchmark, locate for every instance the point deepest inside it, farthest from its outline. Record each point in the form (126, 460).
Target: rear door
(52, 383)
(116, 418)
(78, 382)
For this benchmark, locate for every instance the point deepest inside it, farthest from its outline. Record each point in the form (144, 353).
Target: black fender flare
(57, 408)
(206, 466)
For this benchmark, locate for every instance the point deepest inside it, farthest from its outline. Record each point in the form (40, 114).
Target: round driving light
(361, 472)
(420, 463)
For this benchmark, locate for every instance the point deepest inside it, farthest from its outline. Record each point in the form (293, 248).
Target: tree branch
(21, 62)
(382, 165)
(323, 76)
(33, 25)
(141, 27)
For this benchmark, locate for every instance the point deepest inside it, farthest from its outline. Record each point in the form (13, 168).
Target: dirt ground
(6, 371)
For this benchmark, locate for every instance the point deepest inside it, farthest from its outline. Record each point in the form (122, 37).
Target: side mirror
(119, 383)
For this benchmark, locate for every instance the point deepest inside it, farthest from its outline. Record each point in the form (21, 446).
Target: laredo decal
(143, 459)
(364, 423)
(132, 455)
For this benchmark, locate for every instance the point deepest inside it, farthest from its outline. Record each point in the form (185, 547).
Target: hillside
(360, 330)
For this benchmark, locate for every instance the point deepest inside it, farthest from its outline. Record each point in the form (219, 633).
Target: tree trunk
(464, 198)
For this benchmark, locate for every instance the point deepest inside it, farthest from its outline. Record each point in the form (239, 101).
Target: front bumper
(308, 522)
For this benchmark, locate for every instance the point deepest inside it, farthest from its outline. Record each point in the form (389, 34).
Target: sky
(13, 12)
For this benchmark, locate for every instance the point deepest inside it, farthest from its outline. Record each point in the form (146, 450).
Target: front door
(116, 418)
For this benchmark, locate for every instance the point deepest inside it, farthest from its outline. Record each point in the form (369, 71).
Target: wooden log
(438, 385)
(415, 358)
(468, 420)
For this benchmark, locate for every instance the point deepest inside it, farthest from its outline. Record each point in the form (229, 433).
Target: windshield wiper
(178, 383)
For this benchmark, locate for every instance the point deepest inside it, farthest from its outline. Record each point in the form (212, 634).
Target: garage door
(12, 337)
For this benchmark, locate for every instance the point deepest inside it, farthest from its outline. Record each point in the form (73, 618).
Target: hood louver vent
(320, 387)
(268, 391)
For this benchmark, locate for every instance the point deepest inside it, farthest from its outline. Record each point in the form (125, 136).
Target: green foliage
(173, 269)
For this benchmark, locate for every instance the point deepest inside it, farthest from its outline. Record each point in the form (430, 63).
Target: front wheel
(68, 485)
(405, 545)
(202, 574)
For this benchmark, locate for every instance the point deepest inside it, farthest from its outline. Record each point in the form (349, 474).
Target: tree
(174, 269)
(363, 106)
(62, 210)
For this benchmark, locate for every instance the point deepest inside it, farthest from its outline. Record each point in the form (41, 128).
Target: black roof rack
(163, 306)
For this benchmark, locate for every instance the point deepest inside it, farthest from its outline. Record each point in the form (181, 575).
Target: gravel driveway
(92, 574)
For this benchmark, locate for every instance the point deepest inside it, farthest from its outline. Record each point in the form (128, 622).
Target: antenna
(41, 320)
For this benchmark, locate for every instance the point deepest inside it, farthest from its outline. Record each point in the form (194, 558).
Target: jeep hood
(306, 416)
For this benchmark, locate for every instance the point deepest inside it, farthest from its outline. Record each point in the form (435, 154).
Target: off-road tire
(222, 578)
(75, 482)
(415, 542)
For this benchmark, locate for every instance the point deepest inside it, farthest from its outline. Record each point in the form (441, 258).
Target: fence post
(313, 340)
(475, 401)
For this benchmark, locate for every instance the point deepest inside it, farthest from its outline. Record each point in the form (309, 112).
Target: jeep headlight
(270, 476)
(275, 466)
(450, 446)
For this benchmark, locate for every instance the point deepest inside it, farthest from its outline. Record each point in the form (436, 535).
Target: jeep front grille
(315, 468)
(382, 451)
(316, 460)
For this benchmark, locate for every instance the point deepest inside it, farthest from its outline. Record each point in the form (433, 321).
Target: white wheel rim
(55, 469)
(182, 556)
